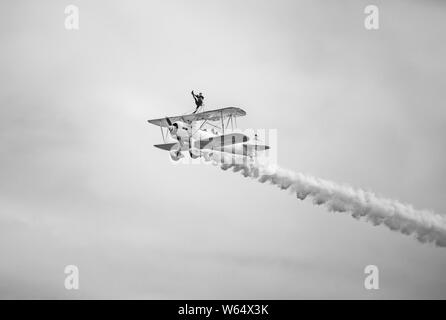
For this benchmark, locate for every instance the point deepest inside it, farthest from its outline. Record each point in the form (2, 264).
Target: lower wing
(172, 146)
(220, 141)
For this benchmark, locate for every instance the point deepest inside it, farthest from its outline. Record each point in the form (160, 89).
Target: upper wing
(211, 115)
(162, 121)
(219, 141)
(214, 115)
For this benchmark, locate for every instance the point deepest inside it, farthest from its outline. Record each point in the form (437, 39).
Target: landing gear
(175, 153)
(175, 156)
(192, 155)
(208, 156)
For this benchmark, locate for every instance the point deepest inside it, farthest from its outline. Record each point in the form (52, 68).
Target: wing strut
(199, 127)
(214, 126)
(227, 123)
(222, 123)
(162, 134)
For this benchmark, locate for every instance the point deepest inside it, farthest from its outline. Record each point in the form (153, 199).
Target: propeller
(173, 127)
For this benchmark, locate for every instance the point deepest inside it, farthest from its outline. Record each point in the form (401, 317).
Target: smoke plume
(425, 225)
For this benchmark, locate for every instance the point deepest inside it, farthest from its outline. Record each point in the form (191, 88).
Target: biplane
(200, 135)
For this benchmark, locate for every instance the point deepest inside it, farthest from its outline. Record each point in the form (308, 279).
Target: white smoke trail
(425, 225)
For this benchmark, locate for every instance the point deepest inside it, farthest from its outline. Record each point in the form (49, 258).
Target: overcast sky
(82, 184)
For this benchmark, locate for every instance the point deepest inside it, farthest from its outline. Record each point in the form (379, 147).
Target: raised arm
(193, 95)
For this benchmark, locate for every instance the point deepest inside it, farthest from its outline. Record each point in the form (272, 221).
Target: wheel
(192, 155)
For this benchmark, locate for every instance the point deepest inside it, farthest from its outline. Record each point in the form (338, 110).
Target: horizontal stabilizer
(243, 149)
(255, 147)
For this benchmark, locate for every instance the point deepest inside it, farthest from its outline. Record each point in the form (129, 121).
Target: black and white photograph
(222, 150)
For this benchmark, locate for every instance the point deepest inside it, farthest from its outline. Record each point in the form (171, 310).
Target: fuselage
(184, 132)
(189, 138)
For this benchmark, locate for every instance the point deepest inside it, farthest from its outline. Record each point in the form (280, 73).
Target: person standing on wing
(198, 100)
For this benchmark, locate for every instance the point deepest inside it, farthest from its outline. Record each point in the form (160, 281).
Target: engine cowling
(180, 130)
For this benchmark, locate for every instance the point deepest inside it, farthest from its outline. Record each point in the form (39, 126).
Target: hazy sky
(82, 184)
